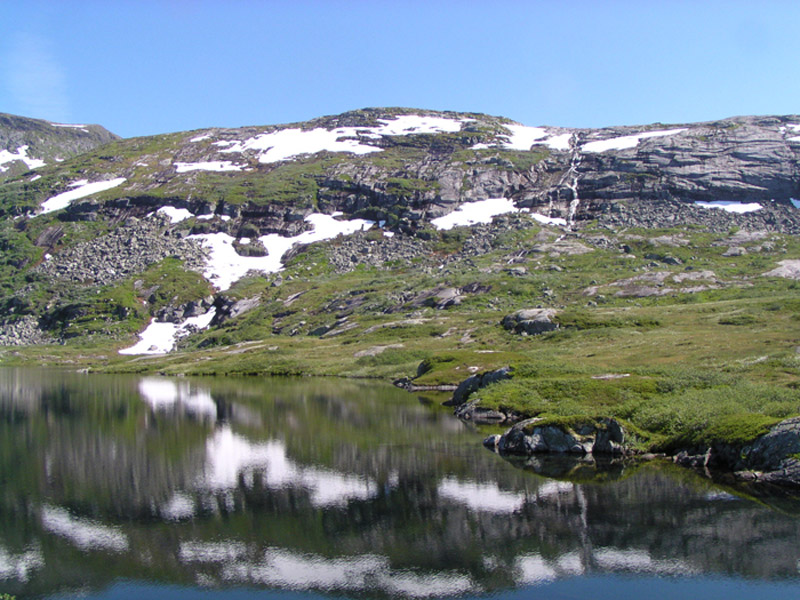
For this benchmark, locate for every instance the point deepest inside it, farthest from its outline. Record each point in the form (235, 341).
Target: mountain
(661, 260)
(27, 144)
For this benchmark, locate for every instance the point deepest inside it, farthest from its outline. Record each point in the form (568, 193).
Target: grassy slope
(717, 364)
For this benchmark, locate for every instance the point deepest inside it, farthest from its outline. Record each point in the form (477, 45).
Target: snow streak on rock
(160, 338)
(627, 141)
(215, 165)
(81, 189)
(729, 206)
(225, 265)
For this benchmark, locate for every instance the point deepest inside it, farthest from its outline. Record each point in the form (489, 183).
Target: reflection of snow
(638, 560)
(83, 533)
(532, 568)
(364, 572)
(230, 456)
(160, 338)
(180, 506)
(481, 496)
(19, 566)
(160, 393)
(211, 552)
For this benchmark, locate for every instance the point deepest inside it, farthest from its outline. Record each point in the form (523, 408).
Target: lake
(119, 487)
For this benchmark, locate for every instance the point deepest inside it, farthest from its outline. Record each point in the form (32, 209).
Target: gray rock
(532, 321)
(475, 382)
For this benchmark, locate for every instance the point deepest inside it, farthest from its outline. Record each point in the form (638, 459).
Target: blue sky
(147, 67)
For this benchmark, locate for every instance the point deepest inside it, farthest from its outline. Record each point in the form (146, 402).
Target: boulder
(475, 382)
(603, 436)
(531, 321)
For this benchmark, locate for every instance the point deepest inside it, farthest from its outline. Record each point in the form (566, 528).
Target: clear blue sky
(148, 67)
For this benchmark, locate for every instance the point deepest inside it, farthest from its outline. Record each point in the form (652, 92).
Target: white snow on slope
(795, 202)
(796, 128)
(285, 144)
(83, 533)
(160, 338)
(626, 141)
(523, 137)
(176, 215)
(21, 154)
(68, 125)
(81, 189)
(200, 138)
(215, 165)
(226, 266)
(549, 220)
(729, 206)
(471, 213)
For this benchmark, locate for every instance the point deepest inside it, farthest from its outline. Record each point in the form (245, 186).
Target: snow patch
(215, 165)
(549, 220)
(795, 202)
(68, 125)
(176, 215)
(200, 138)
(81, 189)
(627, 141)
(225, 265)
(471, 213)
(21, 154)
(730, 206)
(285, 144)
(160, 338)
(523, 137)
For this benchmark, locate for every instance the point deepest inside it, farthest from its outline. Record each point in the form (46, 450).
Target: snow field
(285, 144)
(729, 206)
(225, 265)
(160, 338)
(482, 211)
(21, 154)
(81, 189)
(216, 165)
(627, 141)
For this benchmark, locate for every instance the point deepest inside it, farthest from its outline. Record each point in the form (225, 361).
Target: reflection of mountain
(309, 486)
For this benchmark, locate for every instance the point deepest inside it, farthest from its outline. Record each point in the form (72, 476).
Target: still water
(147, 487)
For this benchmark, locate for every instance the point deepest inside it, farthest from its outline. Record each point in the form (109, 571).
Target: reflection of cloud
(364, 572)
(19, 566)
(230, 456)
(83, 533)
(35, 79)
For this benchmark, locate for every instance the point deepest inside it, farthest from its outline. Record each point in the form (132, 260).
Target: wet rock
(594, 436)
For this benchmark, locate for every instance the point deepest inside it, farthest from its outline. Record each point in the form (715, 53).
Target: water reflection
(333, 487)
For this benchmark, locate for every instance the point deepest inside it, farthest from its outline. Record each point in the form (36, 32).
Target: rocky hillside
(27, 144)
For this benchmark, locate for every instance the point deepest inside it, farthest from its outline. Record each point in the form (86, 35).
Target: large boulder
(475, 382)
(531, 321)
(535, 436)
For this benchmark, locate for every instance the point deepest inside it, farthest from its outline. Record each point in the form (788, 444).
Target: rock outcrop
(581, 437)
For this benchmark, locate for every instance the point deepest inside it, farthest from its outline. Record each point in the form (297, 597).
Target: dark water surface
(124, 487)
